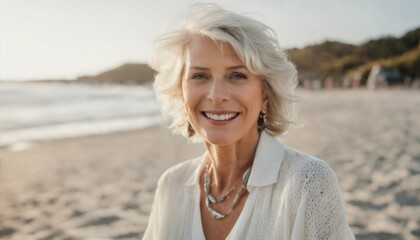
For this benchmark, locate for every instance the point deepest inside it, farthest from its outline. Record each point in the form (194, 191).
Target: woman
(223, 80)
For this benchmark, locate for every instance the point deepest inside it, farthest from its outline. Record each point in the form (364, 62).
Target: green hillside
(339, 60)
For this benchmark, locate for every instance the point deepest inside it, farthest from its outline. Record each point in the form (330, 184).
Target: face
(221, 96)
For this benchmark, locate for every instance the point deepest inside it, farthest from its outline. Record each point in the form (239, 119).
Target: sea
(32, 112)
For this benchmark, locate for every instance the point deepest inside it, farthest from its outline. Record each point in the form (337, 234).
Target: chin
(219, 139)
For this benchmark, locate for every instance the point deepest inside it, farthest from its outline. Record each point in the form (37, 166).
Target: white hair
(255, 44)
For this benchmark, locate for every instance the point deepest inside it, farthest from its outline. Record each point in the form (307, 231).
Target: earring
(191, 130)
(261, 121)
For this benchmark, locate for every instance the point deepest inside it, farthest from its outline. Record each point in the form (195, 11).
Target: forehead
(203, 50)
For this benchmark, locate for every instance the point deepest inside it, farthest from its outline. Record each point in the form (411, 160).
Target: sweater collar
(265, 169)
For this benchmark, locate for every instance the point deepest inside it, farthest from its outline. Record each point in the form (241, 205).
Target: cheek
(253, 98)
(190, 97)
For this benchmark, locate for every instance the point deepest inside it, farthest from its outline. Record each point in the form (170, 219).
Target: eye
(199, 76)
(237, 75)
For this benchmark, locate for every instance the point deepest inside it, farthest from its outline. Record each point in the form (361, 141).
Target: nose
(218, 91)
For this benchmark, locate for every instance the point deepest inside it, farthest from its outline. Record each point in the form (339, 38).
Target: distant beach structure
(382, 78)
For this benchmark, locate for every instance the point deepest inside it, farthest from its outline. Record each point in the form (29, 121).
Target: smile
(220, 117)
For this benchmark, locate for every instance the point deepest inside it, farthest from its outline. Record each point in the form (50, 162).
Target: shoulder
(307, 169)
(180, 172)
(316, 197)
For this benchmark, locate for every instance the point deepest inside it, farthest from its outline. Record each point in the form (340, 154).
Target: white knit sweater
(291, 196)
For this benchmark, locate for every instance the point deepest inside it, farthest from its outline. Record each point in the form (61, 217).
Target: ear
(264, 103)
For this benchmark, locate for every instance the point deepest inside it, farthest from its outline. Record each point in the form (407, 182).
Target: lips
(220, 116)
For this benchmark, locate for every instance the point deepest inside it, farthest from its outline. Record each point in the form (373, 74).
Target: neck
(231, 161)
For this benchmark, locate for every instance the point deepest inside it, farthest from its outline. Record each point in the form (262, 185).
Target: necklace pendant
(211, 198)
(213, 212)
(217, 215)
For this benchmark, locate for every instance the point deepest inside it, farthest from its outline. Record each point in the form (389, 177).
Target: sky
(64, 39)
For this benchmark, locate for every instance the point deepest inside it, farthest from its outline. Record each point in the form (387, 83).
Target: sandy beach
(101, 187)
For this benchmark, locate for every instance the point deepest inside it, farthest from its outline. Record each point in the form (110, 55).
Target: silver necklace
(212, 200)
(209, 195)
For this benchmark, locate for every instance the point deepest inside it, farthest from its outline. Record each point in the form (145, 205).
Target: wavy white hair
(256, 45)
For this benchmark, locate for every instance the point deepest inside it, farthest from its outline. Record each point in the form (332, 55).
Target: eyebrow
(228, 68)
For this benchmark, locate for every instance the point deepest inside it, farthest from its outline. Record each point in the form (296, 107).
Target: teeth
(221, 117)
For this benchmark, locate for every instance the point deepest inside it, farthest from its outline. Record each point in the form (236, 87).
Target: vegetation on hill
(340, 60)
(407, 64)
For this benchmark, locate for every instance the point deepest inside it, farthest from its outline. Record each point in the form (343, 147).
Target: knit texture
(307, 193)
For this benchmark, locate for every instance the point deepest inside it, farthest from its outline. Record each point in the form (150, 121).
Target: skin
(216, 81)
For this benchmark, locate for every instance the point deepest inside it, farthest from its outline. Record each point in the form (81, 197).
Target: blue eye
(199, 76)
(238, 76)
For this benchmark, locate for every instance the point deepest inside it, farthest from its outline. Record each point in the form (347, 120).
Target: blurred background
(81, 132)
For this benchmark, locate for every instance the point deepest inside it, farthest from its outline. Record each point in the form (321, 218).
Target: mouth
(220, 116)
